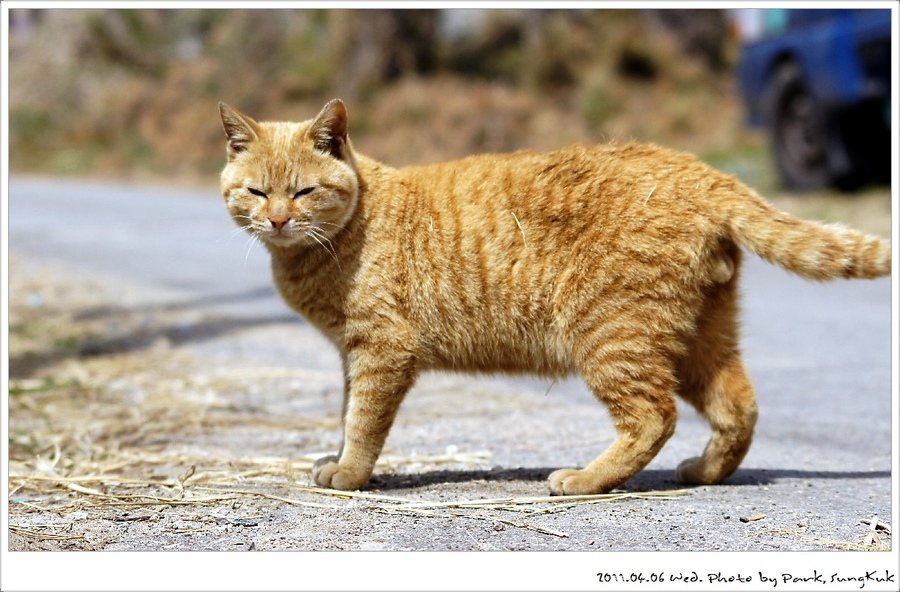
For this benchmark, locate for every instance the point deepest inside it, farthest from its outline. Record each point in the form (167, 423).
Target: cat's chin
(283, 242)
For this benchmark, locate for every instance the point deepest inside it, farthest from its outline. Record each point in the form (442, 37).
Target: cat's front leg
(376, 385)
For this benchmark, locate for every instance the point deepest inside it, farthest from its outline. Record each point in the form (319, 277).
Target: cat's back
(501, 241)
(605, 173)
(482, 177)
(595, 190)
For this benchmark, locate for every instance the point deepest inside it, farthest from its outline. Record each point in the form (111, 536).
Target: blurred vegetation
(134, 92)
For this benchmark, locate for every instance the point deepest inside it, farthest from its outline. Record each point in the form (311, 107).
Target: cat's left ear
(239, 128)
(329, 130)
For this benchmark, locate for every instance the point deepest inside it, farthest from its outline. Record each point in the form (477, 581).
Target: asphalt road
(180, 241)
(819, 356)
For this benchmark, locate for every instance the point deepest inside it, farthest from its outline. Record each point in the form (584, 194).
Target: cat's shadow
(648, 480)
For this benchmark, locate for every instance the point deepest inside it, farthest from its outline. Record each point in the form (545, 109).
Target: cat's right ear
(240, 130)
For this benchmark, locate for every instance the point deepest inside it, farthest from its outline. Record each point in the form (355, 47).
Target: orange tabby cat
(618, 262)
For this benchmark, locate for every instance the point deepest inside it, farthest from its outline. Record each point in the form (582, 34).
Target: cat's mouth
(281, 238)
(293, 234)
(289, 237)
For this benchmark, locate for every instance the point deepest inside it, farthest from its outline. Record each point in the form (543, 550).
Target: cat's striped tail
(811, 249)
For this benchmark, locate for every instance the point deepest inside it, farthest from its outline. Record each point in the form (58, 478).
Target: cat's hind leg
(636, 382)
(728, 402)
(712, 378)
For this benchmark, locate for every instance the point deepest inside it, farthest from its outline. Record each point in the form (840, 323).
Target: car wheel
(799, 131)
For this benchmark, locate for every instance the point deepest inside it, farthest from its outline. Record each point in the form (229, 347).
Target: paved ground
(168, 266)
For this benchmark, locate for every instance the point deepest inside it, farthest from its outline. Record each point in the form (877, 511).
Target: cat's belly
(510, 347)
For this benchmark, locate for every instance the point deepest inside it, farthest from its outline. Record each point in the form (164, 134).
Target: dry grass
(265, 479)
(57, 482)
(137, 109)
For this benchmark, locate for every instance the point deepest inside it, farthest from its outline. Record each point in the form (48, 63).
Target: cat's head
(290, 184)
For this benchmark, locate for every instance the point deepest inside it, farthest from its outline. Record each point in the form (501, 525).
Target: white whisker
(254, 239)
(338, 226)
(320, 237)
(239, 230)
(235, 232)
(317, 235)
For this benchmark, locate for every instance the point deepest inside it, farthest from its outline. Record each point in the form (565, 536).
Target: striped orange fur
(619, 263)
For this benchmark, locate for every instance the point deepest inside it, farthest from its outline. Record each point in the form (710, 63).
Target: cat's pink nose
(278, 221)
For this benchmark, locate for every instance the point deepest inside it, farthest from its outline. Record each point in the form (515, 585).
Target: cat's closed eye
(257, 192)
(304, 191)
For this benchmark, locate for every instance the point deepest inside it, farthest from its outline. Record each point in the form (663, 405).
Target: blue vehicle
(819, 81)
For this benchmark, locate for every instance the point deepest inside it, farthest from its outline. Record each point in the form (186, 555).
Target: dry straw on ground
(230, 480)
